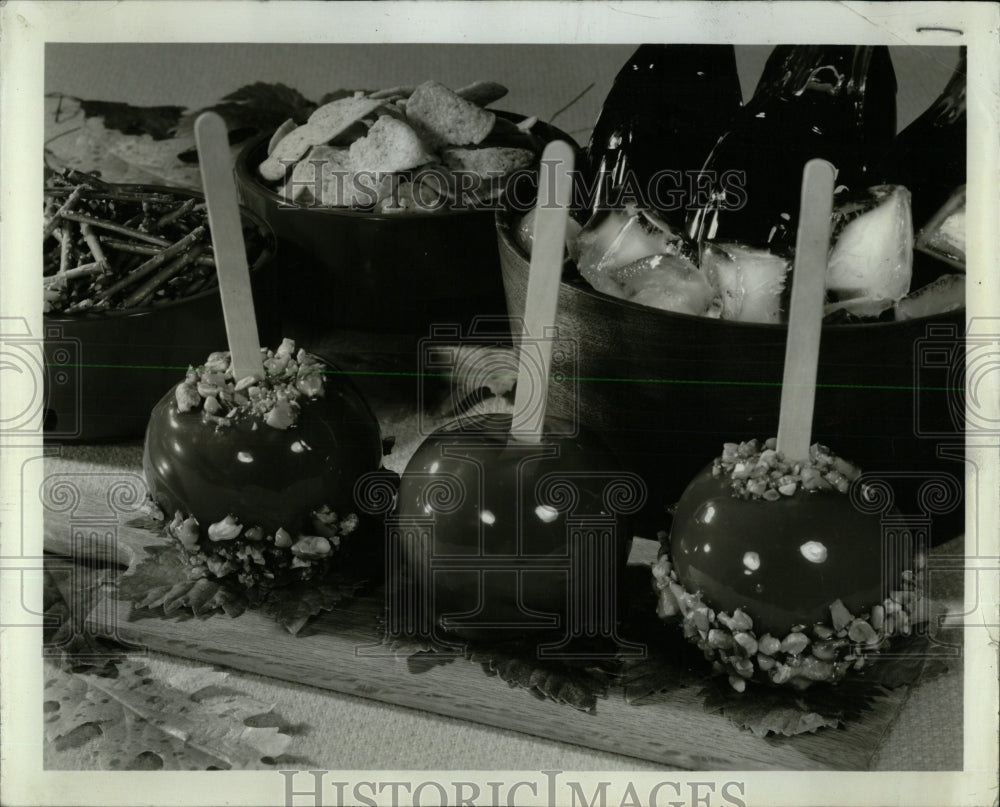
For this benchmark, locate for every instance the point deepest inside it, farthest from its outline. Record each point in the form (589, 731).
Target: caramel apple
(509, 522)
(784, 560)
(258, 475)
(500, 510)
(777, 574)
(775, 570)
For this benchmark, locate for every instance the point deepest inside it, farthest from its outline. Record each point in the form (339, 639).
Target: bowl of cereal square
(392, 195)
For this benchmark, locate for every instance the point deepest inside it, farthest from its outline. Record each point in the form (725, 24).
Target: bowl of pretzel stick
(131, 297)
(392, 194)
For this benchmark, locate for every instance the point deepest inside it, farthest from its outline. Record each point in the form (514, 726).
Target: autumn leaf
(293, 605)
(160, 581)
(421, 653)
(67, 601)
(780, 710)
(909, 660)
(336, 95)
(665, 667)
(766, 710)
(576, 684)
(146, 521)
(159, 122)
(135, 722)
(258, 107)
(77, 140)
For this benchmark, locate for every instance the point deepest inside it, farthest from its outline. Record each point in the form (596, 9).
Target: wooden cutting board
(340, 651)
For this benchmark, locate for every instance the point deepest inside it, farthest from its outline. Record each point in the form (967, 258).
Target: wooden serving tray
(341, 651)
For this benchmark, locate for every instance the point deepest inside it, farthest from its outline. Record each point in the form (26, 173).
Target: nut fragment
(282, 538)
(281, 416)
(823, 631)
(246, 382)
(740, 620)
(768, 645)
(666, 605)
(765, 662)
(860, 631)
(185, 530)
(767, 474)
(310, 384)
(746, 641)
(205, 389)
(701, 618)
(324, 521)
(275, 365)
(743, 667)
(187, 397)
(794, 643)
(815, 669)
(225, 530)
(254, 533)
(825, 650)
(311, 546)
(781, 673)
(839, 615)
(218, 361)
(720, 639)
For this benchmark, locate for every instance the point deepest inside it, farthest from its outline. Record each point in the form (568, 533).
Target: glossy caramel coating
(782, 562)
(261, 475)
(496, 520)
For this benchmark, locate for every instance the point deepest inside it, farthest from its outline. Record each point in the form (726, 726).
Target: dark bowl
(667, 390)
(386, 272)
(105, 372)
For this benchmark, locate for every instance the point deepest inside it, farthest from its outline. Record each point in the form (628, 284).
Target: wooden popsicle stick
(805, 319)
(225, 222)
(535, 356)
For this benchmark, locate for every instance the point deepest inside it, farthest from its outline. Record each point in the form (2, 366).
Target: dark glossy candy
(501, 513)
(782, 562)
(929, 155)
(262, 475)
(832, 102)
(929, 158)
(667, 106)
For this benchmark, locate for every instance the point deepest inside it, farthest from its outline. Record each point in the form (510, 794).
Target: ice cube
(613, 238)
(871, 262)
(947, 293)
(668, 282)
(750, 282)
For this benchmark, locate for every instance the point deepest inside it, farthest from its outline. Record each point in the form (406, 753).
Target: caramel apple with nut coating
(268, 464)
(777, 573)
